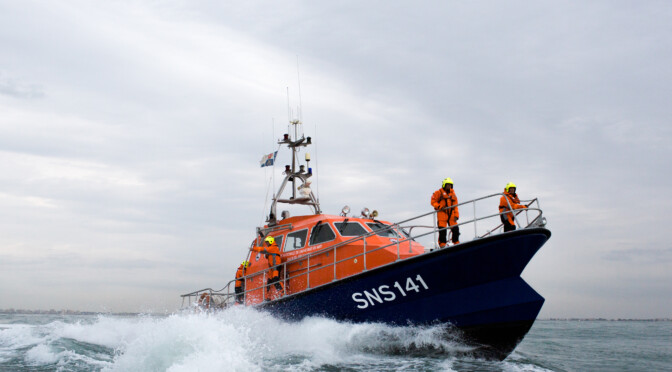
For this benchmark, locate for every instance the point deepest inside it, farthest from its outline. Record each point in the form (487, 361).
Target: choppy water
(247, 340)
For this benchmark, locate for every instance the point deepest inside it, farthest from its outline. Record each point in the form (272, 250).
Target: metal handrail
(403, 238)
(515, 219)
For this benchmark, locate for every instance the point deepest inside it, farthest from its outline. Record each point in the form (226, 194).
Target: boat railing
(215, 298)
(532, 216)
(484, 225)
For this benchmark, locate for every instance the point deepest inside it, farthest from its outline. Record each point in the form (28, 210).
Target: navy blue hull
(475, 287)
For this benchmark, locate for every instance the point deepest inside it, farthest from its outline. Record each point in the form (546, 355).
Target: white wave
(238, 339)
(40, 346)
(202, 342)
(512, 367)
(15, 336)
(41, 354)
(519, 362)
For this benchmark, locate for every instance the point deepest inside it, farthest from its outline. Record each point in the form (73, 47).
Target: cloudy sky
(130, 135)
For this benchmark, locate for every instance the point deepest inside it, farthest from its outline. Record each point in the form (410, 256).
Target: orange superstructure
(332, 247)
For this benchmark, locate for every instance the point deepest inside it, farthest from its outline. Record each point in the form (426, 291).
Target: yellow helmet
(509, 185)
(445, 181)
(270, 240)
(246, 264)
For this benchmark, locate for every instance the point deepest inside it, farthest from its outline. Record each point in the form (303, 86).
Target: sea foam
(237, 339)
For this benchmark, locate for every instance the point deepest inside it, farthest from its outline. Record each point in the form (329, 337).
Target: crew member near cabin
(272, 253)
(240, 283)
(508, 202)
(444, 201)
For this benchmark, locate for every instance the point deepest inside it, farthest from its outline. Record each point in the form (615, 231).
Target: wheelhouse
(319, 249)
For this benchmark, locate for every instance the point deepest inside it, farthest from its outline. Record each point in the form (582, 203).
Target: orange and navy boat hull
(474, 287)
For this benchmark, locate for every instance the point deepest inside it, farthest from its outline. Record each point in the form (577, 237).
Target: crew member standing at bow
(272, 254)
(510, 198)
(444, 201)
(240, 283)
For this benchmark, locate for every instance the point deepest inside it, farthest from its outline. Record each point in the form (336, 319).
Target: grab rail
(226, 297)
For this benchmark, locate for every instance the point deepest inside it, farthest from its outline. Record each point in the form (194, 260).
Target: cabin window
(296, 240)
(383, 230)
(278, 241)
(350, 228)
(321, 233)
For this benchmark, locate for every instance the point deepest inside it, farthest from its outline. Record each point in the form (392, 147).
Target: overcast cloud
(130, 134)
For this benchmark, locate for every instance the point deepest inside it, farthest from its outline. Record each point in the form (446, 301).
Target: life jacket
(442, 199)
(504, 205)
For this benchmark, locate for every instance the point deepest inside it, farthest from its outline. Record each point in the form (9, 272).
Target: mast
(292, 175)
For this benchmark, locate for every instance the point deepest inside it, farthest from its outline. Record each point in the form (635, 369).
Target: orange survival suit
(440, 200)
(272, 254)
(240, 283)
(507, 218)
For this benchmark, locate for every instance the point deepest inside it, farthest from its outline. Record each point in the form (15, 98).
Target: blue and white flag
(268, 160)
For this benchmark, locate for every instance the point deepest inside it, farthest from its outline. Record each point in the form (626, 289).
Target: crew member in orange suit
(272, 254)
(240, 283)
(444, 201)
(509, 198)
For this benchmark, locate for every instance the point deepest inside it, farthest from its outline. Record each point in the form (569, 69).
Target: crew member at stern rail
(509, 198)
(240, 283)
(444, 201)
(272, 254)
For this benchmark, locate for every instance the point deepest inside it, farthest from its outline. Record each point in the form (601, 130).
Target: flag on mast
(268, 160)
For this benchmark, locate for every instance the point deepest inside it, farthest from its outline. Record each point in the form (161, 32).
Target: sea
(247, 340)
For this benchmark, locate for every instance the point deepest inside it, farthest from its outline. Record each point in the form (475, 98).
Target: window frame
(389, 228)
(305, 239)
(321, 223)
(364, 231)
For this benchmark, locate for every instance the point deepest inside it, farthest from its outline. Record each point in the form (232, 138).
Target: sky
(131, 133)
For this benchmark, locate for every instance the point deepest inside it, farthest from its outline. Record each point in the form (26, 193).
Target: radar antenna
(295, 172)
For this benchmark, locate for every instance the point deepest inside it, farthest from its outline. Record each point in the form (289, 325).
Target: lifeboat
(366, 269)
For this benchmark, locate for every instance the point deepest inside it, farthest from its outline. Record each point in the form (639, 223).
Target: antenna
(295, 140)
(289, 109)
(317, 174)
(300, 112)
(298, 77)
(274, 159)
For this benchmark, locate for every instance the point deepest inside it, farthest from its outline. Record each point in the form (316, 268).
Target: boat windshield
(383, 230)
(350, 228)
(321, 233)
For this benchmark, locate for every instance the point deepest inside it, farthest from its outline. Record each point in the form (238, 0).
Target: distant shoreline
(77, 312)
(70, 312)
(608, 319)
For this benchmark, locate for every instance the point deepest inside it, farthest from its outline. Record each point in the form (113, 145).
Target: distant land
(612, 320)
(77, 312)
(63, 312)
